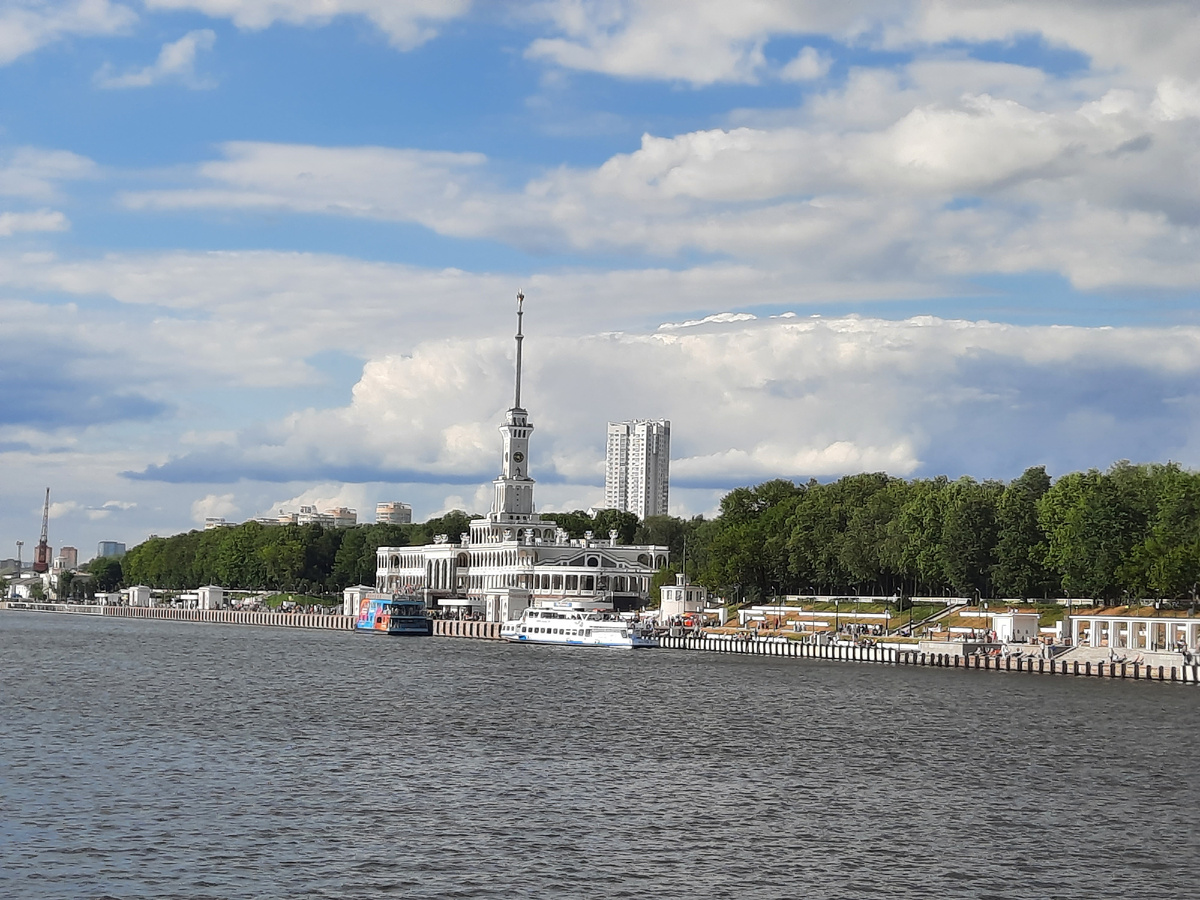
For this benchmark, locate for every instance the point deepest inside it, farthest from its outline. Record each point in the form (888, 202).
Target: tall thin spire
(520, 337)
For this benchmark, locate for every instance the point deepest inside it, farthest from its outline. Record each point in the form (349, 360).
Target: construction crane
(41, 556)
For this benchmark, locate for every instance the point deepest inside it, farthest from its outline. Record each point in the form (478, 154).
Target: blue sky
(257, 253)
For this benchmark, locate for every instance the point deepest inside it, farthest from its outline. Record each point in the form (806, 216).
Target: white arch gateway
(512, 559)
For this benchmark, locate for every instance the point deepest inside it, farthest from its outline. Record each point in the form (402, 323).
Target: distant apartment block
(393, 513)
(68, 558)
(637, 466)
(110, 548)
(338, 517)
(212, 522)
(342, 517)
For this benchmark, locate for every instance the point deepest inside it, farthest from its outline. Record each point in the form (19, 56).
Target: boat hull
(390, 617)
(627, 644)
(420, 630)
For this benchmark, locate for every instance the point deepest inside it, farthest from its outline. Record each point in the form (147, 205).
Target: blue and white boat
(572, 625)
(401, 615)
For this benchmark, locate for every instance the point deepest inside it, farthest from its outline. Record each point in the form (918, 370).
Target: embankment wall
(1184, 674)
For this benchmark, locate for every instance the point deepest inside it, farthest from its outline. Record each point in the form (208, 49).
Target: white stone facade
(1154, 633)
(681, 599)
(210, 597)
(512, 558)
(637, 467)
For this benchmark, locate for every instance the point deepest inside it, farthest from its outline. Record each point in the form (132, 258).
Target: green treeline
(308, 559)
(1131, 532)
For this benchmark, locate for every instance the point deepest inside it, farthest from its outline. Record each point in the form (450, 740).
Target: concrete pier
(216, 616)
(481, 631)
(484, 631)
(1185, 674)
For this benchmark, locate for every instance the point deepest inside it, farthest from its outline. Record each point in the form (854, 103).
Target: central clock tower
(513, 497)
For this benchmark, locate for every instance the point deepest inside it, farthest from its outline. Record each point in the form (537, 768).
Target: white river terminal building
(511, 559)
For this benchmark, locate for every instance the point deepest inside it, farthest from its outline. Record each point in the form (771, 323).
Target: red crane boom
(41, 557)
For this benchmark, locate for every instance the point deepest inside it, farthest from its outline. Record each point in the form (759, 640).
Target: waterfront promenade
(441, 627)
(776, 647)
(214, 616)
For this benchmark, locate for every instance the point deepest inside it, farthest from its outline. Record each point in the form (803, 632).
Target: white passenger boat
(570, 623)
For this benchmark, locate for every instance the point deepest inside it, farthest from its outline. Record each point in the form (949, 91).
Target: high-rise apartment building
(393, 513)
(110, 548)
(637, 467)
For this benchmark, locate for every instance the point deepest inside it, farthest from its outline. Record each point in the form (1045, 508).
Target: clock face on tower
(518, 456)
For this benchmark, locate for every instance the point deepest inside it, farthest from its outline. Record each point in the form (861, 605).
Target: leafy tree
(662, 531)
(355, 560)
(969, 535)
(106, 572)
(575, 524)
(624, 523)
(749, 547)
(1167, 562)
(918, 536)
(284, 561)
(1020, 569)
(452, 524)
(1090, 532)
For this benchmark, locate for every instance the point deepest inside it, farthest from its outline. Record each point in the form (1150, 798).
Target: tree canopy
(1130, 532)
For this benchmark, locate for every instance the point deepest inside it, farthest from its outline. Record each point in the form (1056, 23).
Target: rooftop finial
(520, 337)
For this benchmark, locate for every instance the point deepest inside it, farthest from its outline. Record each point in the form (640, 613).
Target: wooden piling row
(1187, 674)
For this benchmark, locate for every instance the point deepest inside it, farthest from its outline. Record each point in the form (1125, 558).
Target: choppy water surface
(156, 759)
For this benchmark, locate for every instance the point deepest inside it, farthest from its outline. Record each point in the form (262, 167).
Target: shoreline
(753, 646)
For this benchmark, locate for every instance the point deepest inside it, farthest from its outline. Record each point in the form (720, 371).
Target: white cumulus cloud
(28, 25)
(39, 220)
(176, 62)
(808, 65)
(212, 506)
(37, 174)
(407, 23)
(752, 399)
(938, 189)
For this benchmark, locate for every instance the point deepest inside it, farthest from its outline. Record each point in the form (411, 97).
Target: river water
(145, 759)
